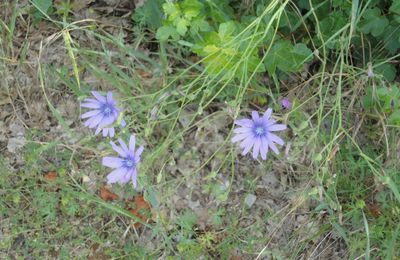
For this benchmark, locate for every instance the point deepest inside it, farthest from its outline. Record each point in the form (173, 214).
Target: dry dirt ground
(266, 204)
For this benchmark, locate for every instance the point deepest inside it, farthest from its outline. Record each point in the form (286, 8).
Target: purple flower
(103, 115)
(286, 103)
(125, 166)
(257, 133)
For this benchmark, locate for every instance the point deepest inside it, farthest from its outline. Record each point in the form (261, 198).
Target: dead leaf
(50, 176)
(374, 209)
(107, 195)
(141, 210)
(145, 74)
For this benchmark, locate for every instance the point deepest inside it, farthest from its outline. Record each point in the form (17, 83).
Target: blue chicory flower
(103, 115)
(125, 166)
(286, 103)
(257, 133)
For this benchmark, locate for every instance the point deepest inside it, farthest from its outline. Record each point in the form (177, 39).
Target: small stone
(15, 143)
(250, 199)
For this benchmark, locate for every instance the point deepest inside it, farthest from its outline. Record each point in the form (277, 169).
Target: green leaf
(226, 30)
(42, 7)
(181, 26)
(199, 25)
(394, 118)
(164, 32)
(191, 8)
(391, 39)
(150, 14)
(373, 22)
(395, 7)
(172, 11)
(286, 57)
(330, 25)
(386, 70)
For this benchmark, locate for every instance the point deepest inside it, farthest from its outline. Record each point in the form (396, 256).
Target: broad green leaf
(395, 7)
(42, 7)
(150, 13)
(373, 22)
(330, 25)
(391, 39)
(394, 118)
(226, 30)
(191, 8)
(386, 70)
(199, 25)
(286, 57)
(164, 32)
(172, 11)
(181, 25)
(277, 57)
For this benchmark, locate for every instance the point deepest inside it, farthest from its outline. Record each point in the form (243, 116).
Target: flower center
(129, 163)
(107, 110)
(259, 130)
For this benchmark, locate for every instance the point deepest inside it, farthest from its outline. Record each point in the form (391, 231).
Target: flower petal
(90, 113)
(112, 132)
(112, 162)
(272, 146)
(119, 150)
(132, 143)
(98, 130)
(267, 115)
(92, 100)
(116, 175)
(127, 177)
(244, 122)
(106, 121)
(93, 121)
(276, 139)
(96, 120)
(247, 144)
(134, 178)
(139, 152)
(264, 148)
(256, 148)
(255, 116)
(109, 98)
(239, 137)
(99, 97)
(277, 127)
(91, 105)
(123, 123)
(241, 130)
(123, 146)
(105, 132)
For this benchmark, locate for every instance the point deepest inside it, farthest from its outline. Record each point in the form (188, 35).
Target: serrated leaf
(199, 25)
(181, 26)
(395, 7)
(165, 32)
(171, 10)
(150, 13)
(373, 22)
(226, 30)
(191, 8)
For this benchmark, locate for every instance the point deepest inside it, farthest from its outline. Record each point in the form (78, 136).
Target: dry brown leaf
(107, 195)
(50, 176)
(141, 210)
(374, 209)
